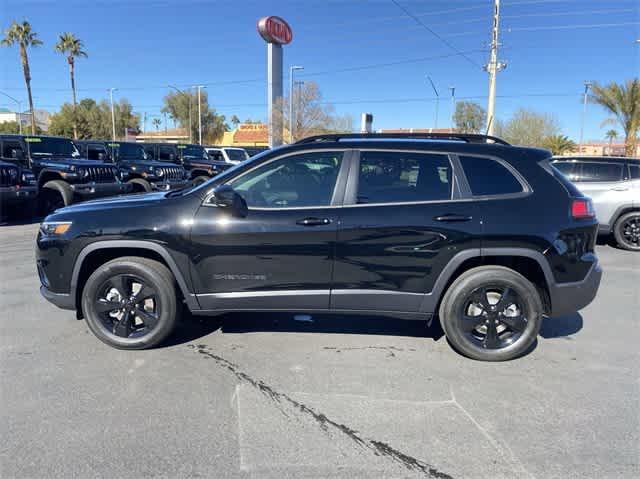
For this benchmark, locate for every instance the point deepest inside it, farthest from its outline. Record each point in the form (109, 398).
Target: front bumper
(62, 301)
(170, 185)
(96, 190)
(17, 194)
(568, 298)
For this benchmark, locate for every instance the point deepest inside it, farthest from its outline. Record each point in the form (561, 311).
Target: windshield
(45, 146)
(236, 154)
(128, 151)
(192, 151)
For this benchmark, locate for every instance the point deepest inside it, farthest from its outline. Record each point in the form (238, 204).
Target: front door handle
(453, 218)
(313, 221)
(620, 188)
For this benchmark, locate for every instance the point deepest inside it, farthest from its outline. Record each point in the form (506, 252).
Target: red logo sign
(275, 30)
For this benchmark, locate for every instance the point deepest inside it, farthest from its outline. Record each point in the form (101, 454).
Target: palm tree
(559, 144)
(71, 46)
(624, 102)
(21, 34)
(157, 122)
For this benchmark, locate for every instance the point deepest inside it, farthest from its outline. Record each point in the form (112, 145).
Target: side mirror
(226, 197)
(101, 156)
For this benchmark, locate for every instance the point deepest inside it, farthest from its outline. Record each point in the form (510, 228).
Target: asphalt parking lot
(265, 396)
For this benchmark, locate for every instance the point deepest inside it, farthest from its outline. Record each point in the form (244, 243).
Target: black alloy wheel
(627, 231)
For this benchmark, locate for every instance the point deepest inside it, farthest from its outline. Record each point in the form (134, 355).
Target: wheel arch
(624, 209)
(96, 254)
(48, 175)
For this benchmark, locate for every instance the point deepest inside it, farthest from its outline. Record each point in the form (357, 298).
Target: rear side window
(592, 172)
(489, 177)
(397, 177)
(634, 172)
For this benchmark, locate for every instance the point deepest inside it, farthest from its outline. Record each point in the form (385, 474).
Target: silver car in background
(613, 184)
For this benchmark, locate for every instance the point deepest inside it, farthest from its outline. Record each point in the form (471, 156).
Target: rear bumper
(62, 301)
(568, 298)
(95, 190)
(17, 194)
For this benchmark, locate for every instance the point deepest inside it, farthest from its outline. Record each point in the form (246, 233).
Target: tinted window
(44, 146)
(634, 172)
(192, 151)
(7, 146)
(570, 169)
(236, 155)
(165, 152)
(93, 152)
(591, 171)
(215, 156)
(489, 177)
(149, 151)
(301, 180)
(396, 177)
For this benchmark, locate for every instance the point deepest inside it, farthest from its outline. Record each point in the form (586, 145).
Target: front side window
(397, 177)
(7, 148)
(634, 172)
(487, 177)
(165, 153)
(93, 152)
(40, 146)
(192, 151)
(294, 181)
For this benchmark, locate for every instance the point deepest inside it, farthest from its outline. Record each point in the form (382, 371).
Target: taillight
(582, 208)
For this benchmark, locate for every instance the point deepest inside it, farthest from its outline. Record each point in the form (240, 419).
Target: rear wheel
(627, 231)
(198, 180)
(131, 303)
(491, 313)
(140, 185)
(54, 194)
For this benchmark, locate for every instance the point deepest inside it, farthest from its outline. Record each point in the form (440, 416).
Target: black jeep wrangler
(136, 167)
(62, 176)
(17, 187)
(193, 158)
(484, 236)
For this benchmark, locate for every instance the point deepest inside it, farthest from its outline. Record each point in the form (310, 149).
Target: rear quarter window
(488, 177)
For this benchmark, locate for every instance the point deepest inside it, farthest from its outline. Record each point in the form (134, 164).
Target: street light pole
(493, 67)
(113, 115)
(291, 70)
(188, 95)
(453, 106)
(587, 85)
(435, 126)
(19, 110)
(199, 116)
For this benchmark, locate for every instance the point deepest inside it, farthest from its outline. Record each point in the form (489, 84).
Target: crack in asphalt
(389, 349)
(379, 448)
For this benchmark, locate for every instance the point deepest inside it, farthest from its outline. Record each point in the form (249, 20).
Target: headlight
(13, 173)
(159, 172)
(28, 179)
(82, 172)
(55, 228)
(151, 170)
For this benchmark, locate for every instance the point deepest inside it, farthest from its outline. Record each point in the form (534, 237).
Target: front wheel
(627, 231)
(491, 313)
(54, 194)
(130, 303)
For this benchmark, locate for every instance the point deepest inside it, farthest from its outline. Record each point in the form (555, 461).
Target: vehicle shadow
(192, 328)
(562, 326)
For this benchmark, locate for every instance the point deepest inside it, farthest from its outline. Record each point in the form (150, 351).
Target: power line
(571, 27)
(563, 14)
(420, 22)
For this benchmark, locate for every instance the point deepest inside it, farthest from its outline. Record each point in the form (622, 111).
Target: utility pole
(113, 115)
(144, 122)
(291, 70)
(165, 122)
(453, 107)
(435, 126)
(587, 85)
(493, 67)
(199, 116)
(188, 95)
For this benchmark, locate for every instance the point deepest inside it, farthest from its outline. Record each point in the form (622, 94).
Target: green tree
(559, 144)
(235, 121)
(93, 119)
(22, 35)
(71, 47)
(469, 117)
(527, 127)
(177, 105)
(623, 101)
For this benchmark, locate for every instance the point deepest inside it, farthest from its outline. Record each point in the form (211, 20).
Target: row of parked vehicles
(52, 172)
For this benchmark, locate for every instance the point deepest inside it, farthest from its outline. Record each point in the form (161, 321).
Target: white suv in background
(613, 183)
(230, 155)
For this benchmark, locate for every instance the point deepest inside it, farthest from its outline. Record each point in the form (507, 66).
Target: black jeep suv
(193, 158)
(485, 236)
(61, 174)
(17, 187)
(137, 168)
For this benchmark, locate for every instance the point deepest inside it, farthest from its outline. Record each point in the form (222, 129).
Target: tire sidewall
(144, 184)
(166, 293)
(198, 180)
(458, 295)
(617, 233)
(54, 187)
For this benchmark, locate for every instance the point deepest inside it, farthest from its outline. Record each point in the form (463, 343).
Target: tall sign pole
(276, 32)
(493, 67)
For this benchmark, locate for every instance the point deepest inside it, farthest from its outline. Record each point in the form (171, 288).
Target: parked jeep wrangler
(143, 173)
(62, 175)
(193, 158)
(484, 236)
(17, 189)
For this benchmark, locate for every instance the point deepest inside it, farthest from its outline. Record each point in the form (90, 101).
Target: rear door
(403, 220)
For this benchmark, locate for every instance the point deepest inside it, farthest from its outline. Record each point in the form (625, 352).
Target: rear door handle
(313, 221)
(453, 218)
(620, 188)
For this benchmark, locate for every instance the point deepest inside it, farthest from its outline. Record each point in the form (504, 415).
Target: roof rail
(465, 137)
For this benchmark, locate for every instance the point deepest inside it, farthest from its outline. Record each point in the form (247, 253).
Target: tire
(198, 180)
(626, 231)
(514, 333)
(140, 185)
(54, 194)
(120, 329)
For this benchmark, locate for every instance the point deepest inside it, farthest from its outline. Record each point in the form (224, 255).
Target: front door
(406, 221)
(280, 256)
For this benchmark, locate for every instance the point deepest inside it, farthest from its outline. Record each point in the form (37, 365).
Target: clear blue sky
(140, 46)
